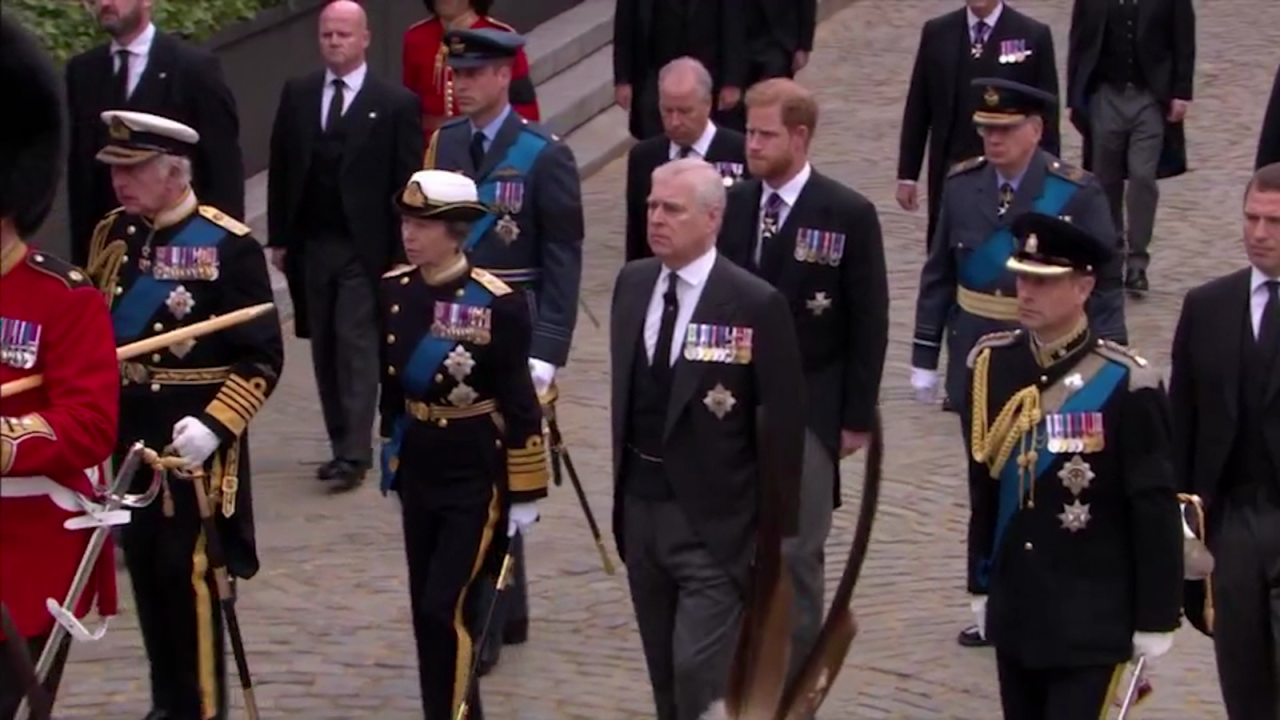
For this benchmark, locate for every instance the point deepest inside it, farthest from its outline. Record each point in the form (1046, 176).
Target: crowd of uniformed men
(432, 237)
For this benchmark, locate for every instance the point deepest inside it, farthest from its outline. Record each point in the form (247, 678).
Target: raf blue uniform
(531, 239)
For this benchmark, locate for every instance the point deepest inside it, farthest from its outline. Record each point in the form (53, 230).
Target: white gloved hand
(978, 604)
(925, 383)
(543, 374)
(193, 440)
(1151, 645)
(521, 518)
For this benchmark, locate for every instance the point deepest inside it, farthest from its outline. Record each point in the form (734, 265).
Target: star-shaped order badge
(180, 302)
(818, 303)
(1074, 517)
(463, 395)
(719, 401)
(1076, 475)
(459, 363)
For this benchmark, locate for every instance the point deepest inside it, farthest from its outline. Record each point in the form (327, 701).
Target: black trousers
(1246, 596)
(1077, 693)
(448, 532)
(11, 690)
(764, 65)
(178, 608)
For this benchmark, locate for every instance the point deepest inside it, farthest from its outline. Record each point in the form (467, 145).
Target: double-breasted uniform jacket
(458, 405)
(189, 264)
(532, 238)
(55, 439)
(1074, 532)
(827, 260)
(965, 290)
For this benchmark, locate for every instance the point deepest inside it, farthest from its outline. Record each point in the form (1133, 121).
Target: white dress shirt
(1257, 298)
(139, 53)
(790, 193)
(689, 286)
(351, 84)
(990, 20)
(700, 148)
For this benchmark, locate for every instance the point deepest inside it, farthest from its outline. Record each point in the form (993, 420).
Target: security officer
(532, 236)
(1074, 534)
(462, 427)
(164, 261)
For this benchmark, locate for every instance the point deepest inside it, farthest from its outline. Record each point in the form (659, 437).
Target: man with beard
(147, 70)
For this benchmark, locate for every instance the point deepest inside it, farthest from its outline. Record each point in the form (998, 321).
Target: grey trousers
(687, 605)
(804, 554)
(344, 345)
(1246, 596)
(1127, 129)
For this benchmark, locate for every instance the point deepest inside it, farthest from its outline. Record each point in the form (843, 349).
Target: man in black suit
(708, 431)
(1269, 137)
(1225, 390)
(343, 143)
(684, 97)
(146, 70)
(648, 34)
(819, 243)
(986, 38)
(1130, 67)
(779, 43)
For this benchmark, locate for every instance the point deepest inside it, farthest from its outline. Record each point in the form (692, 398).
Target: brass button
(158, 327)
(124, 259)
(1031, 505)
(497, 444)
(404, 280)
(442, 422)
(119, 290)
(395, 309)
(391, 338)
(439, 378)
(1028, 546)
(391, 370)
(155, 387)
(131, 229)
(1044, 378)
(459, 292)
(155, 357)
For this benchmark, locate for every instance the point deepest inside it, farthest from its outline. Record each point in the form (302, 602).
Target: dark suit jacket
(731, 475)
(716, 37)
(1166, 51)
(644, 157)
(932, 99)
(384, 147)
(181, 82)
(1269, 137)
(843, 344)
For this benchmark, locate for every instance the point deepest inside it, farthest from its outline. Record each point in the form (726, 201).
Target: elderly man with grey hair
(708, 431)
(685, 104)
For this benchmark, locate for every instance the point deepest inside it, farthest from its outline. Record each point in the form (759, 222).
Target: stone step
(568, 100)
(562, 42)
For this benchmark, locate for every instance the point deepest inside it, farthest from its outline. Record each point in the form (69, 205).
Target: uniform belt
(518, 276)
(133, 373)
(992, 307)
(440, 414)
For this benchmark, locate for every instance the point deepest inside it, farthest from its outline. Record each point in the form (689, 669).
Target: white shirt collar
(990, 19)
(790, 192)
(701, 146)
(695, 273)
(353, 80)
(140, 46)
(1257, 279)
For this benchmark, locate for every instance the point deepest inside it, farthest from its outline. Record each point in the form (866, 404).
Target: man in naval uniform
(462, 427)
(1074, 535)
(164, 261)
(965, 289)
(532, 236)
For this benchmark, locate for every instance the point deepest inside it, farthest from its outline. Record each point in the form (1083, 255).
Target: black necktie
(1006, 199)
(1269, 328)
(335, 106)
(477, 150)
(685, 151)
(122, 75)
(661, 363)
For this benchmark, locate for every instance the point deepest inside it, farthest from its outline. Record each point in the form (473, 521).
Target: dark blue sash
(418, 376)
(985, 265)
(1089, 398)
(131, 312)
(520, 158)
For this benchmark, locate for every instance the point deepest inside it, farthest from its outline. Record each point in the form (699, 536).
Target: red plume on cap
(31, 138)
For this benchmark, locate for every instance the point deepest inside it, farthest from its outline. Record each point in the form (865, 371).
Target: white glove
(521, 518)
(1151, 645)
(925, 383)
(978, 604)
(543, 374)
(193, 440)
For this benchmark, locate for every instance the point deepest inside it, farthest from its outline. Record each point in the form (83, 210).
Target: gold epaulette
(56, 267)
(965, 166)
(1070, 172)
(397, 271)
(490, 282)
(498, 24)
(1142, 374)
(224, 221)
(992, 340)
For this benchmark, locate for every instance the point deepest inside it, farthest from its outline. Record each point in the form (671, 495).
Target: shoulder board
(498, 23)
(1068, 171)
(397, 271)
(1004, 338)
(54, 266)
(966, 165)
(490, 282)
(1142, 374)
(538, 130)
(223, 220)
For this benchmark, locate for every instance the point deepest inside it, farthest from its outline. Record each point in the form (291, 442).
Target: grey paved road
(326, 621)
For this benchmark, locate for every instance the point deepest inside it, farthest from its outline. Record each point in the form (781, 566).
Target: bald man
(343, 143)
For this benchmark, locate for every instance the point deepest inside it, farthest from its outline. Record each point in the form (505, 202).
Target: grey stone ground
(326, 621)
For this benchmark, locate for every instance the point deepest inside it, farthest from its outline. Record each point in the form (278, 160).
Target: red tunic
(427, 74)
(56, 438)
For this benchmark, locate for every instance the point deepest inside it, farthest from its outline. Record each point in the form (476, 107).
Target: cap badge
(118, 130)
(413, 196)
(457, 47)
(1033, 244)
(991, 97)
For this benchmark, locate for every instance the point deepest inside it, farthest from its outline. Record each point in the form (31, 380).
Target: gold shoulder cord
(429, 160)
(1017, 423)
(105, 260)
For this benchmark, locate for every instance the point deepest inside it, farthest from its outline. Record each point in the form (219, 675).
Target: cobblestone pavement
(326, 620)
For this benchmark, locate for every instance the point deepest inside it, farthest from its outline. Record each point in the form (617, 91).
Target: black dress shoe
(328, 470)
(516, 633)
(948, 406)
(1135, 281)
(347, 476)
(970, 637)
(157, 714)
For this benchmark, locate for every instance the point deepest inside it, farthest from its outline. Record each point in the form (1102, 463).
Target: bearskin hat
(481, 7)
(31, 134)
